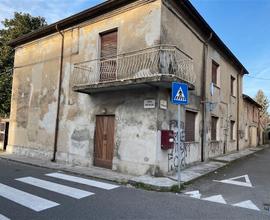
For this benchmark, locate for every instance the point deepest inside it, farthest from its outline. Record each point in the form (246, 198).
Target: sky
(243, 25)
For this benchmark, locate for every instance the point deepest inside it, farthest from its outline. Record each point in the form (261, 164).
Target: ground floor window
(232, 130)
(214, 122)
(190, 126)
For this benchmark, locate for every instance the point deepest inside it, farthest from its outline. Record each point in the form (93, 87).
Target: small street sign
(179, 93)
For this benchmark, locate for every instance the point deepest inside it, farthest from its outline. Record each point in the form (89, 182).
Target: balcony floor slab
(161, 80)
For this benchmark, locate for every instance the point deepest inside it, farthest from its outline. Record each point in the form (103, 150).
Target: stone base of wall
(125, 167)
(29, 152)
(133, 168)
(73, 159)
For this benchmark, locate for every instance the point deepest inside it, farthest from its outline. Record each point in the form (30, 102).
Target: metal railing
(149, 62)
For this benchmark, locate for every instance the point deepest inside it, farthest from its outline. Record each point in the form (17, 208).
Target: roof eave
(73, 20)
(199, 20)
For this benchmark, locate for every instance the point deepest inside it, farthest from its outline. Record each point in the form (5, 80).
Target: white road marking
(26, 199)
(2, 217)
(194, 194)
(88, 182)
(247, 204)
(216, 198)
(233, 181)
(55, 187)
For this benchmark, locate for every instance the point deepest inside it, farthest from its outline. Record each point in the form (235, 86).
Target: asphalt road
(245, 182)
(21, 198)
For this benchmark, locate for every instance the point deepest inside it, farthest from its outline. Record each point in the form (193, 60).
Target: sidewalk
(158, 183)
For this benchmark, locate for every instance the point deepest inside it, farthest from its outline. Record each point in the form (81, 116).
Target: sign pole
(179, 97)
(179, 147)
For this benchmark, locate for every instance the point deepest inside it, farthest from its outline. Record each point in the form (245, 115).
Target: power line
(253, 77)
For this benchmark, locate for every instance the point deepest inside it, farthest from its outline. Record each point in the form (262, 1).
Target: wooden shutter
(214, 121)
(232, 85)
(108, 45)
(232, 129)
(108, 54)
(190, 126)
(214, 72)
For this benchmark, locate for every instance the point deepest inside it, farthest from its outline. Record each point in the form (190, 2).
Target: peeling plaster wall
(33, 104)
(34, 97)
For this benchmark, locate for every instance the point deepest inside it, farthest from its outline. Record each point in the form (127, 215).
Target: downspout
(203, 92)
(58, 95)
(238, 109)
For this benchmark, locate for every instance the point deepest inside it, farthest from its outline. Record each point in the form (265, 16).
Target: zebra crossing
(38, 204)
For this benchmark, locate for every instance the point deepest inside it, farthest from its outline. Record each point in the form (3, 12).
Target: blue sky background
(243, 25)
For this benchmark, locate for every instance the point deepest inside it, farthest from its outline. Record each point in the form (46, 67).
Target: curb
(226, 163)
(138, 184)
(123, 182)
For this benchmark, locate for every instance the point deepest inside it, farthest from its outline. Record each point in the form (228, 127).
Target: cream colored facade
(141, 25)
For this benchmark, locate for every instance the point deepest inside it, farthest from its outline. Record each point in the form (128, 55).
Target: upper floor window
(232, 86)
(255, 114)
(215, 70)
(214, 122)
(190, 126)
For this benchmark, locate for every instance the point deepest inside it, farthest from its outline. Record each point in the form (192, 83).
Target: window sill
(214, 141)
(216, 86)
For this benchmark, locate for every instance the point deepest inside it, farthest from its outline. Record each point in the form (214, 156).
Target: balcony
(151, 67)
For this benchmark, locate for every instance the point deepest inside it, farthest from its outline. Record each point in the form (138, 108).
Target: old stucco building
(94, 89)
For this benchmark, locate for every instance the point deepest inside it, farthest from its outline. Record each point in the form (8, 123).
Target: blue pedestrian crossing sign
(179, 93)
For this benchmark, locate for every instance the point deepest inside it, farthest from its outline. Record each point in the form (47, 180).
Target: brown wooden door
(108, 54)
(104, 141)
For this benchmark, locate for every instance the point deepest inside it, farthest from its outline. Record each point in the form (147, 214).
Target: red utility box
(167, 139)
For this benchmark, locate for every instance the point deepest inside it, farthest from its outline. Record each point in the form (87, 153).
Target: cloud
(52, 10)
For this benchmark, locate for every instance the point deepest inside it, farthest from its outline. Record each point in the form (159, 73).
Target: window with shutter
(215, 67)
(108, 56)
(190, 126)
(232, 86)
(232, 130)
(214, 121)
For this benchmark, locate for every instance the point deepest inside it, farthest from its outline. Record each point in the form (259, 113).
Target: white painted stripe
(216, 198)
(2, 217)
(234, 181)
(194, 194)
(26, 199)
(247, 205)
(88, 182)
(55, 187)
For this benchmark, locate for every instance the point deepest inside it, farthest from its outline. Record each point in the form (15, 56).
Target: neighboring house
(253, 131)
(111, 107)
(4, 125)
(267, 135)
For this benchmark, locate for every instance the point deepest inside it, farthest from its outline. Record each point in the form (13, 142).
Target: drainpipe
(203, 95)
(238, 109)
(58, 95)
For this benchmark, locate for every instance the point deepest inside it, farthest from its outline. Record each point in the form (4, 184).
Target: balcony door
(108, 55)
(104, 141)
